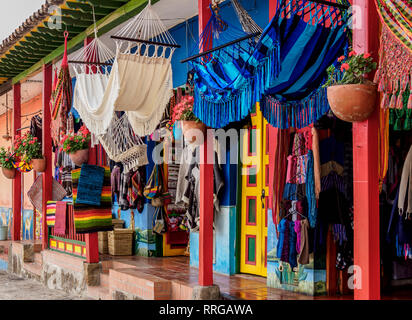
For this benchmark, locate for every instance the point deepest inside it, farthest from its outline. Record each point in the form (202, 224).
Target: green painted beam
(87, 8)
(120, 15)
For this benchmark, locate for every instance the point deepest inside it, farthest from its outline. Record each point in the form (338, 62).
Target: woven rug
(90, 185)
(89, 218)
(51, 213)
(395, 53)
(36, 190)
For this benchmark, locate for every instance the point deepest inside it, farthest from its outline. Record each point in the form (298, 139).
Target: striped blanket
(51, 213)
(89, 218)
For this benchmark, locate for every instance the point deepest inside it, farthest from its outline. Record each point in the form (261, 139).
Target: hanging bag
(159, 225)
(152, 187)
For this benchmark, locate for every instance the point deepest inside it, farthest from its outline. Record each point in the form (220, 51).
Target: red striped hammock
(61, 97)
(394, 74)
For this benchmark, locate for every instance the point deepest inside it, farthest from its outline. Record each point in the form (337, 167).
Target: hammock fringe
(238, 104)
(297, 114)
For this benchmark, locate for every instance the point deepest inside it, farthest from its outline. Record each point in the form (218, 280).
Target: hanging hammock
(122, 145)
(284, 72)
(141, 82)
(92, 68)
(60, 100)
(394, 74)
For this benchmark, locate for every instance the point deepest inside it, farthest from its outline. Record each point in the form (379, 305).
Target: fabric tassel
(392, 101)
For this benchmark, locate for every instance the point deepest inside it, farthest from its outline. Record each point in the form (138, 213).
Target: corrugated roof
(33, 21)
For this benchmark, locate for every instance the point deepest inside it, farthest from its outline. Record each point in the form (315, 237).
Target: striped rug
(88, 218)
(51, 213)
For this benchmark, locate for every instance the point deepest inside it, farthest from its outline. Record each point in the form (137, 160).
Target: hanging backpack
(152, 187)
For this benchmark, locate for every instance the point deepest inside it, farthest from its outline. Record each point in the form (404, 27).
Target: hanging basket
(352, 102)
(187, 127)
(39, 165)
(9, 173)
(79, 157)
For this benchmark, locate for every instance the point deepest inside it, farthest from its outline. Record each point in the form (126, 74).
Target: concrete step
(99, 293)
(33, 267)
(104, 280)
(139, 284)
(38, 258)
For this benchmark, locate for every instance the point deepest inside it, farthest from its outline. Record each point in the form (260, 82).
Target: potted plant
(351, 96)
(77, 145)
(183, 112)
(29, 148)
(6, 161)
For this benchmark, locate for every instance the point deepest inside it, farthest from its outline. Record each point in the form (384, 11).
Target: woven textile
(36, 190)
(90, 185)
(88, 218)
(394, 75)
(51, 213)
(284, 71)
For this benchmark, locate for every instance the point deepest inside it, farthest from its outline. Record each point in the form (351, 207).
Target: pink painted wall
(30, 106)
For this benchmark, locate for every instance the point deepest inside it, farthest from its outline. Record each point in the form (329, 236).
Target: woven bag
(36, 191)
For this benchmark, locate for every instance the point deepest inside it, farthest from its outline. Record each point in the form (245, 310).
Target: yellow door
(255, 189)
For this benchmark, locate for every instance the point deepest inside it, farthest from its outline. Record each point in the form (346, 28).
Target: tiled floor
(240, 286)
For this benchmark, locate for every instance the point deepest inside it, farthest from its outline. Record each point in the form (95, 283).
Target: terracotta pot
(189, 125)
(352, 102)
(79, 157)
(39, 165)
(9, 173)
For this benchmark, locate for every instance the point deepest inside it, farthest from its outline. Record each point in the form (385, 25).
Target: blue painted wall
(225, 242)
(306, 279)
(27, 222)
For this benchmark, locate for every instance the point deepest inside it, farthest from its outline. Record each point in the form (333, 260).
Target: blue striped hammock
(284, 71)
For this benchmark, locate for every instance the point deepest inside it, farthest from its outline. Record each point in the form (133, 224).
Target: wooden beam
(47, 148)
(16, 222)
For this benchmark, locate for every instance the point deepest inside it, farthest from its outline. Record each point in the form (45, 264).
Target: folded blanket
(61, 214)
(51, 213)
(89, 218)
(90, 185)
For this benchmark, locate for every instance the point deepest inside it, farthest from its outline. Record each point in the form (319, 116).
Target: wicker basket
(118, 223)
(103, 242)
(120, 242)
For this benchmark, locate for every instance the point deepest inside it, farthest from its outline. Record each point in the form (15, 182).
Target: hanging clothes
(405, 189)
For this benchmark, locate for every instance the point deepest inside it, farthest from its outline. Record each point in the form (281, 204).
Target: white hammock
(122, 145)
(94, 104)
(141, 78)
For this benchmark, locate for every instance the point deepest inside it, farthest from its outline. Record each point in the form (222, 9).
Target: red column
(272, 132)
(365, 172)
(16, 222)
(206, 186)
(47, 148)
(92, 242)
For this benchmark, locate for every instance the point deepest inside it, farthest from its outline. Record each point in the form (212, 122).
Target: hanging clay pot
(79, 157)
(352, 102)
(38, 165)
(187, 127)
(9, 173)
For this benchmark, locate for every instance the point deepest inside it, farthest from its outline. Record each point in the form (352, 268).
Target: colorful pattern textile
(394, 75)
(396, 15)
(22, 166)
(285, 70)
(90, 185)
(51, 213)
(61, 218)
(88, 218)
(61, 98)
